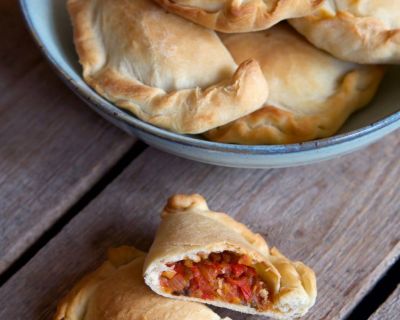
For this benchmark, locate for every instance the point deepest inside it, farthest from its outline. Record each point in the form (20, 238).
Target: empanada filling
(224, 276)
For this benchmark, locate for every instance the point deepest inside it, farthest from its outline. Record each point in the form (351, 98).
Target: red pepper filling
(224, 276)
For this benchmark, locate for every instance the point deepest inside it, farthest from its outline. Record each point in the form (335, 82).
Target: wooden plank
(52, 147)
(390, 310)
(340, 217)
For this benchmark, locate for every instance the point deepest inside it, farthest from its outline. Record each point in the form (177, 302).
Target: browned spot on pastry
(181, 202)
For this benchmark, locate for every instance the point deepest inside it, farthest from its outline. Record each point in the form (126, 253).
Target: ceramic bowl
(49, 23)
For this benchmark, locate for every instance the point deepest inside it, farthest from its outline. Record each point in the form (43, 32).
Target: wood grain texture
(390, 310)
(52, 148)
(340, 217)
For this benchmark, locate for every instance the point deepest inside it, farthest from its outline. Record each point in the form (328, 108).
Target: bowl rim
(115, 112)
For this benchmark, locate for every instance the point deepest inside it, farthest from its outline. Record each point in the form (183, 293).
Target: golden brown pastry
(164, 69)
(362, 31)
(205, 256)
(311, 92)
(239, 16)
(116, 291)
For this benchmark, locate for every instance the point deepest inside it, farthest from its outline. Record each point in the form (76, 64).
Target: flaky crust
(362, 31)
(167, 71)
(239, 16)
(188, 228)
(116, 291)
(311, 93)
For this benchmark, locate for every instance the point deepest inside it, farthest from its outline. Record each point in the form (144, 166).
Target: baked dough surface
(188, 228)
(362, 31)
(116, 291)
(239, 16)
(164, 69)
(311, 92)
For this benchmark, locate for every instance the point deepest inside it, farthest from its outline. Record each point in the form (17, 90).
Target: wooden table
(71, 185)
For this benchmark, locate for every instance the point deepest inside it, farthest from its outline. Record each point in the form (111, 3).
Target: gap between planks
(75, 209)
(390, 310)
(377, 296)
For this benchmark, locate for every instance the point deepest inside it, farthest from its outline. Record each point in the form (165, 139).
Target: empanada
(116, 291)
(362, 31)
(311, 92)
(239, 16)
(166, 70)
(205, 256)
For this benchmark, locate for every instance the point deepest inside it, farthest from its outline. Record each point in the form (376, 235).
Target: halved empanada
(362, 31)
(311, 92)
(205, 256)
(163, 68)
(239, 16)
(117, 291)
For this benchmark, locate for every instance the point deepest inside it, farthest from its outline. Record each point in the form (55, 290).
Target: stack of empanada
(116, 291)
(235, 71)
(197, 256)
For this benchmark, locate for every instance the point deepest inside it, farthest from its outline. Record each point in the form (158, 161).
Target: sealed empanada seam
(239, 16)
(364, 39)
(188, 104)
